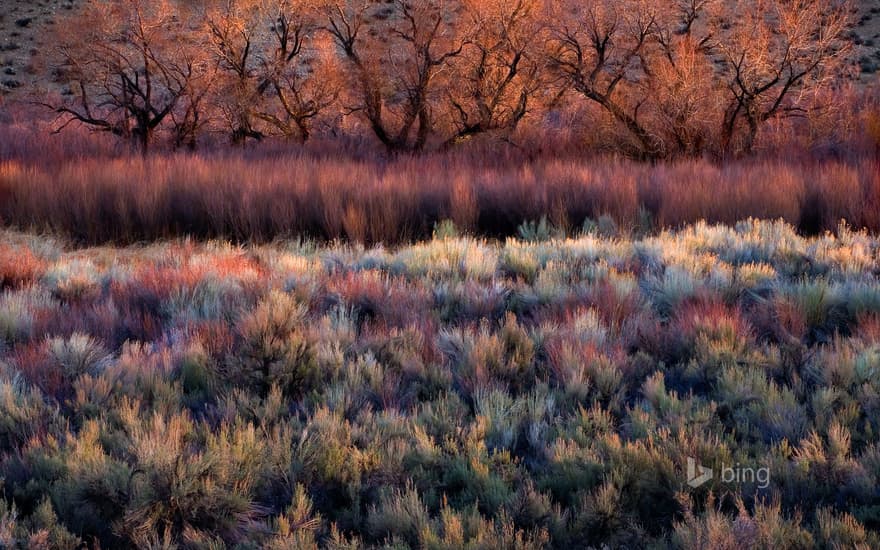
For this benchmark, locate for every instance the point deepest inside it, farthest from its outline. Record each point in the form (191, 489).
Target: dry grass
(396, 200)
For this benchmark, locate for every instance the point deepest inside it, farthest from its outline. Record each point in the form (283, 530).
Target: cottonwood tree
(500, 71)
(278, 75)
(682, 82)
(661, 68)
(684, 101)
(397, 54)
(777, 53)
(129, 63)
(193, 115)
(675, 77)
(299, 72)
(234, 27)
(601, 48)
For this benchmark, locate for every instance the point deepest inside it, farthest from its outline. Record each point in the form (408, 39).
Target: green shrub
(275, 348)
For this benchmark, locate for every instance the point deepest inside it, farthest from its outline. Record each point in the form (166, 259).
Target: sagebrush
(457, 392)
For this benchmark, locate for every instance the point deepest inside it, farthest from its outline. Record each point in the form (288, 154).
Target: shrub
(835, 531)
(20, 311)
(24, 413)
(19, 267)
(308, 395)
(274, 349)
(78, 355)
(763, 527)
(400, 516)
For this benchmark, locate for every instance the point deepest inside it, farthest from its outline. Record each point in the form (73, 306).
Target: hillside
(26, 29)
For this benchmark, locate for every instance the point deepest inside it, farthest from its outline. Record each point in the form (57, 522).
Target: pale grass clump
(674, 251)
(561, 251)
(572, 467)
(776, 235)
(707, 267)
(42, 529)
(502, 415)
(721, 277)
(480, 263)
(569, 371)
(459, 257)
(78, 355)
(157, 440)
(664, 401)
(587, 248)
(211, 298)
(401, 516)
(782, 415)
(325, 451)
(146, 372)
(242, 458)
(774, 411)
(675, 286)
(703, 236)
(339, 326)
(211, 489)
(373, 259)
(552, 283)
(19, 266)
(624, 284)
(469, 528)
(520, 261)
(276, 313)
(195, 370)
(606, 377)
(75, 278)
(848, 366)
(597, 272)
(750, 241)
(289, 264)
(470, 301)
(275, 348)
(366, 381)
(538, 231)
(849, 254)
(860, 297)
(225, 261)
(540, 407)
(711, 337)
(45, 246)
(755, 275)
(298, 526)
(827, 461)
(588, 327)
(19, 310)
(819, 303)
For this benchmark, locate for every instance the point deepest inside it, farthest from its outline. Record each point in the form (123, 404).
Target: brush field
(541, 391)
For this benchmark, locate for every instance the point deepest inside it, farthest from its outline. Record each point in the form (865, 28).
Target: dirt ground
(26, 30)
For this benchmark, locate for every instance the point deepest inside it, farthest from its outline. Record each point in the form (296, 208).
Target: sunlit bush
(455, 393)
